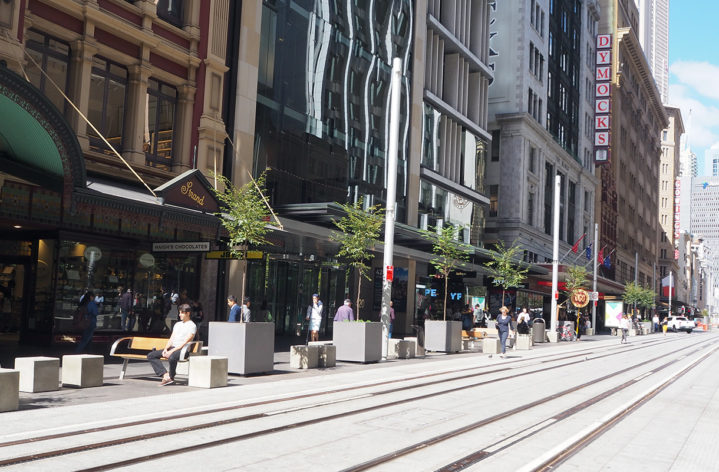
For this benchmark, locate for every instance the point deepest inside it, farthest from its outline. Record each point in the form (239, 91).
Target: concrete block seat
(400, 349)
(304, 357)
(524, 342)
(82, 370)
(9, 390)
(327, 355)
(490, 345)
(208, 371)
(38, 374)
(418, 349)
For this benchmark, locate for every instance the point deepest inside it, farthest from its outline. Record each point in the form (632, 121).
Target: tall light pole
(389, 217)
(594, 282)
(555, 254)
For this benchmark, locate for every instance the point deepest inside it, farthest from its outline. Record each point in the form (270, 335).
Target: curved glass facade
(322, 123)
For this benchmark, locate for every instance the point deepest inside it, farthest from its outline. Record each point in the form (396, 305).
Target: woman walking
(504, 326)
(624, 326)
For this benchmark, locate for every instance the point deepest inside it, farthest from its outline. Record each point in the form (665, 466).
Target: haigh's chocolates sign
(602, 99)
(189, 190)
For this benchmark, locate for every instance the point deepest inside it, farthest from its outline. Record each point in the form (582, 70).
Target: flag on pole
(575, 248)
(607, 262)
(589, 252)
(600, 257)
(667, 285)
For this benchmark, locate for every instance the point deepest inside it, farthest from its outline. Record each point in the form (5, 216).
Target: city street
(590, 405)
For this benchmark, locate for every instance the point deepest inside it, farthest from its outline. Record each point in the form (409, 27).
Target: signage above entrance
(189, 190)
(228, 255)
(201, 246)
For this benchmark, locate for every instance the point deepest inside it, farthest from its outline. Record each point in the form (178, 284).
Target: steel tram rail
(165, 433)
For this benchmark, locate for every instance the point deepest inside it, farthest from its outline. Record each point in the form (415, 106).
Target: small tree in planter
(360, 229)
(646, 300)
(246, 217)
(632, 293)
(504, 269)
(449, 254)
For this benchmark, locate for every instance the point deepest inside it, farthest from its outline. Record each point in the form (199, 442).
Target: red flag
(600, 257)
(575, 248)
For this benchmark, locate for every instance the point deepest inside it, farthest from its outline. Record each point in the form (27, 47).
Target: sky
(694, 70)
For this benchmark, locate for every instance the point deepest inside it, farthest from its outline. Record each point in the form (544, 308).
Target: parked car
(680, 323)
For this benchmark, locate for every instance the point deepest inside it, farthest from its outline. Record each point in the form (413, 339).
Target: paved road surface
(593, 405)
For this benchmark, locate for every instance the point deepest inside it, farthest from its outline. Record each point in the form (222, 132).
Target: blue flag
(607, 262)
(589, 252)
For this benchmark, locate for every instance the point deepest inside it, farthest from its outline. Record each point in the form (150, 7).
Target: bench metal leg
(124, 368)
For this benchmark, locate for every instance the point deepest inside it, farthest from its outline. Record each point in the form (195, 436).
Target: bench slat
(147, 344)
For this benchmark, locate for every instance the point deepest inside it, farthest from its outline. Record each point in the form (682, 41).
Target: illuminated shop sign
(602, 99)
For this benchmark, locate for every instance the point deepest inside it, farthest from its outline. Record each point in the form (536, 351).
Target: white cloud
(703, 125)
(700, 76)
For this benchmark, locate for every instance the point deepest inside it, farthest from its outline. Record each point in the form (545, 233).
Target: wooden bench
(137, 348)
(479, 333)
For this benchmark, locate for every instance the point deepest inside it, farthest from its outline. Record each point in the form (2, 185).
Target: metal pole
(391, 198)
(555, 253)
(670, 294)
(636, 278)
(594, 283)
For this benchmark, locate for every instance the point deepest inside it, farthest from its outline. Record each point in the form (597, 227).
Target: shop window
(171, 11)
(106, 111)
(161, 105)
(53, 56)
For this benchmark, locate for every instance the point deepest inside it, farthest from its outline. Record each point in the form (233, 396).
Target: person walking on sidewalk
(504, 326)
(182, 333)
(665, 325)
(344, 313)
(624, 326)
(88, 311)
(235, 310)
(126, 320)
(246, 313)
(314, 316)
(655, 322)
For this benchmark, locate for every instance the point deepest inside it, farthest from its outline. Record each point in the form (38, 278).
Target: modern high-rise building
(654, 38)
(312, 95)
(628, 202)
(688, 166)
(711, 161)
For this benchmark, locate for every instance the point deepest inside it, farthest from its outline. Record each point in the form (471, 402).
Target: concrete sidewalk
(140, 380)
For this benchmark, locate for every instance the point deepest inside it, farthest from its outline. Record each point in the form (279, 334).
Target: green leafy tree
(449, 254)
(504, 268)
(575, 279)
(245, 216)
(632, 293)
(360, 230)
(646, 299)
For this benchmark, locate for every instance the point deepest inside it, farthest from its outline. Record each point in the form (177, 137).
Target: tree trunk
(502, 302)
(359, 285)
(446, 282)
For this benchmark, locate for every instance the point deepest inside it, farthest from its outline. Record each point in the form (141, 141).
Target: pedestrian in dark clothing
(90, 315)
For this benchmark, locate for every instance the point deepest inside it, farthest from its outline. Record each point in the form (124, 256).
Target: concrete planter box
(524, 342)
(357, 341)
(418, 351)
(589, 332)
(443, 336)
(249, 347)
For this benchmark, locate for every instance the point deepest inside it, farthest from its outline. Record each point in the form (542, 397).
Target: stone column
(136, 114)
(79, 87)
(183, 154)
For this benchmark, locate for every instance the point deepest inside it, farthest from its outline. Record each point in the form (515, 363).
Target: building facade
(628, 202)
(669, 192)
(542, 126)
(79, 216)
(654, 38)
(318, 119)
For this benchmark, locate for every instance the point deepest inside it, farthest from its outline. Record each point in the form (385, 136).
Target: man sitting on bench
(182, 333)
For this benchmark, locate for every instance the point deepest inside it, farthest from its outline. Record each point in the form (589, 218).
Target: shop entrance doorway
(15, 294)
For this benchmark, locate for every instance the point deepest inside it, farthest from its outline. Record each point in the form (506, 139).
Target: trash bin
(538, 330)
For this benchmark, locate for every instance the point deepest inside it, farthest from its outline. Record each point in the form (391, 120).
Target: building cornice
(627, 38)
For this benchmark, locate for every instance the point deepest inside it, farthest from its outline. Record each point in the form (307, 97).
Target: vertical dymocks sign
(677, 216)
(602, 99)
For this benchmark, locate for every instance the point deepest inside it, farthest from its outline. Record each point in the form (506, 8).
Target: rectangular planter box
(443, 336)
(249, 347)
(357, 342)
